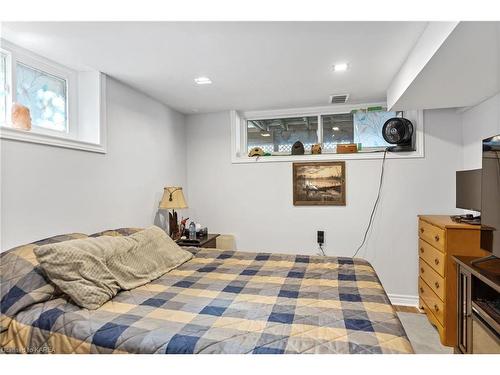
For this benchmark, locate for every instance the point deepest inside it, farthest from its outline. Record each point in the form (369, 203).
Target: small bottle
(192, 231)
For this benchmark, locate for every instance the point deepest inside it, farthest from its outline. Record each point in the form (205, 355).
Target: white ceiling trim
(427, 45)
(461, 70)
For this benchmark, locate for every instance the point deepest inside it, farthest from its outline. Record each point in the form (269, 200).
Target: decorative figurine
(256, 151)
(21, 118)
(298, 148)
(316, 149)
(183, 226)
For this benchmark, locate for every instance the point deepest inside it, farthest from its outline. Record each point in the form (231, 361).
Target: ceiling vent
(339, 99)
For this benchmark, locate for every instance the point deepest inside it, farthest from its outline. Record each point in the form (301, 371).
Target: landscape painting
(319, 184)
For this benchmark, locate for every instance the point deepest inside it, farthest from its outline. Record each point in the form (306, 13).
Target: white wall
(48, 190)
(254, 201)
(479, 122)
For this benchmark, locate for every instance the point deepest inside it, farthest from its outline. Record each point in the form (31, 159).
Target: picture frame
(319, 184)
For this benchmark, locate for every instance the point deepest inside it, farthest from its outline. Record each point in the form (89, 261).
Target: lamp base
(173, 225)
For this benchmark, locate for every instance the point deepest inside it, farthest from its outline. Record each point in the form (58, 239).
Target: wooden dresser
(439, 239)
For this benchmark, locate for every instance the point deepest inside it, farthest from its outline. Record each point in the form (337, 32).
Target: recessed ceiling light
(265, 134)
(342, 67)
(335, 128)
(203, 81)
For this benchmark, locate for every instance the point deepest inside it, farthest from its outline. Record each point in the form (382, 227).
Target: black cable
(374, 206)
(322, 250)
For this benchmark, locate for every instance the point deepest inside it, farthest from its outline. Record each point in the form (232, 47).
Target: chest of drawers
(439, 239)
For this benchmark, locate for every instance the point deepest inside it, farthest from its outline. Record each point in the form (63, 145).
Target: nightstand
(208, 241)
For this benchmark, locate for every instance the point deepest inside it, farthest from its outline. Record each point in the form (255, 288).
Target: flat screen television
(468, 189)
(490, 196)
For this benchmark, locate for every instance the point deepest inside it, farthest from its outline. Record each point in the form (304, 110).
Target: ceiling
(253, 65)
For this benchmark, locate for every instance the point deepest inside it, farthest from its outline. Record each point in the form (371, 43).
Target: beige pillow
(92, 270)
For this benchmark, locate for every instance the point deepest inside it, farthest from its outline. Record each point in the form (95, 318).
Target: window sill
(50, 140)
(328, 157)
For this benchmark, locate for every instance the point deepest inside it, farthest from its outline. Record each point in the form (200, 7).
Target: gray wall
(48, 190)
(479, 122)
(254, 201)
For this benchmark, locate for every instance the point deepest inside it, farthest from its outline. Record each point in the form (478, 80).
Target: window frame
(16, 55)
(239, 153)
(8, 84)
(73, 137)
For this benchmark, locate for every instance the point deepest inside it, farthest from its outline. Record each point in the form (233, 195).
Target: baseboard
(403, 300)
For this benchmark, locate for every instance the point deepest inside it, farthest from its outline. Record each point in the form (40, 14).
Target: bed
(218, 302)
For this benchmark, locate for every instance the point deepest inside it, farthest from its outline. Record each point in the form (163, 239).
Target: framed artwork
(321, 183)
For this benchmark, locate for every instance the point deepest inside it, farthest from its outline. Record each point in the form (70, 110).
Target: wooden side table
(209, 241)
(478, 319)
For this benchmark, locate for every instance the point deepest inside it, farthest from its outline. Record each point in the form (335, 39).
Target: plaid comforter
(219, 302)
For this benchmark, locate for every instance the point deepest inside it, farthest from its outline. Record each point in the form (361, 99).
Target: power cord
(322, 251)
(374, 206)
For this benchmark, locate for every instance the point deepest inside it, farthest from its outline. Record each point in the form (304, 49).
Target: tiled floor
(423, 335)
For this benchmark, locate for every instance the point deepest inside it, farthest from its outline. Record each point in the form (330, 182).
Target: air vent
(339, 99)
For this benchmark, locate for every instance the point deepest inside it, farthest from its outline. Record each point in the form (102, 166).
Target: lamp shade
(173, 198)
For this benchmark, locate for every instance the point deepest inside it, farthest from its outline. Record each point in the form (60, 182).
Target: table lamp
(173, 199)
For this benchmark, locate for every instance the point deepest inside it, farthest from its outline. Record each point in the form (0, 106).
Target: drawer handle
(436, 237)
(436, 307)
(436, 261)
(421, 290)
(421, 249)
(436, 284)
(421, 270)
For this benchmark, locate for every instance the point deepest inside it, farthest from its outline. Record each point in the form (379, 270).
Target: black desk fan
(398, 131)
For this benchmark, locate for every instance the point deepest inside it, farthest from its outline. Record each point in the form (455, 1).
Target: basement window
(276, 136)
(45, 95)
(279, 135)
(337, 129)
(361, 127)
(275, 132)
(65, 105)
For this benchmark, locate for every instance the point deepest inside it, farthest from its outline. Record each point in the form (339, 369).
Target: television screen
(490, 196)
(468, 189)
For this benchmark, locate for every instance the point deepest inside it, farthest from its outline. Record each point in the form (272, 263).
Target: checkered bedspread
(219, 302)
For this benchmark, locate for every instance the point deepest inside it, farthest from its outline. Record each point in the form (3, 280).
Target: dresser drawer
(434, 304)
(432, 256)
(433, 320)
(431, 234)
(434, 280)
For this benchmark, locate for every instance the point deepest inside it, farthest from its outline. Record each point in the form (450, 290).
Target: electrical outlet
(321, 237)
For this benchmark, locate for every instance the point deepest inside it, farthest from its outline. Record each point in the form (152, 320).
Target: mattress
(218, 302)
